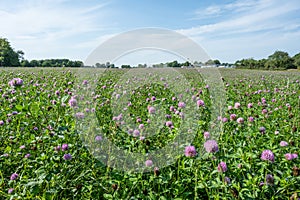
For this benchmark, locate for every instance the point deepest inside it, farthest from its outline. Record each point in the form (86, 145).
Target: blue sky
(228, 30)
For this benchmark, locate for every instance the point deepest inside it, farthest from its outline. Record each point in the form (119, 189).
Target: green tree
(173, 64)
(8, 57)
(25, 63)
(249, 63)
(217, 62)
(125, 66)
(296, 59)
(279, 60)
(35, 63)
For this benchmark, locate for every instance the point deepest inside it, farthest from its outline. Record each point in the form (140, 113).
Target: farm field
(55, 125)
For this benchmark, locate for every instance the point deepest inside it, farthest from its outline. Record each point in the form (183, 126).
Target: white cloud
(43, 28)
(261, 27)
(235, 7)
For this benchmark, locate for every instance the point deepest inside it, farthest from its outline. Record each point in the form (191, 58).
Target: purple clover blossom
(200, 103)
(181, 105)
(64, 147)
(14, 176)
(222, 167)
(171, 108)
(169, 123)
(262, 129)
(283, 143)
(288, 156)
(57, 148)
(261, 184)
(85, 82)
(67, 157)
(142, 138)
(1, 123)
(211, 146)
(10, 190)
(269, 179)
(267, 155)
(206, 135)
(237, 105)
(151, 110)
(72, 102)
(27, 155)
(148, 163)
(232, 116)
(136, 133)
(240, 120)
(264, 111)
(79, 115)
(190, 151)
(15, 82)
(227, 180)
(224, 120)
(295, 155)
(141, 126)
(251, 119)
(98, 138)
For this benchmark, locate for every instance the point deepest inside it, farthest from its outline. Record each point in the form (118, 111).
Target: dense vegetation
(254, 155)
(279, 60)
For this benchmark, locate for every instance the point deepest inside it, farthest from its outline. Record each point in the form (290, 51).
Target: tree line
(279, 60)
(11, 58)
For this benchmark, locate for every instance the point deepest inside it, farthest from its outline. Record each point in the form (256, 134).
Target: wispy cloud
(267, 19)
(235, 7)
(45, 23)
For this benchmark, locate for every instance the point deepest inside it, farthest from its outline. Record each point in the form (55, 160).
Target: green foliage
(125, 66)
(46, 175)
(279, 60)
(296, 59)
(8, 57)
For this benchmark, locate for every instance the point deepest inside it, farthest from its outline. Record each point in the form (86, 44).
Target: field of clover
(50, 149)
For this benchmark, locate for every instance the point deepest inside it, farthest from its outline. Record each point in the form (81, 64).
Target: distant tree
(35, 63)
(142, 66)
(187, 63)
(21, 55)
(25, 63)
(8, 57)
(173, 64)
(217, 62)
(209, 62)
(279, 60)
(125, 66)
(249, 63)
(296, 60)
